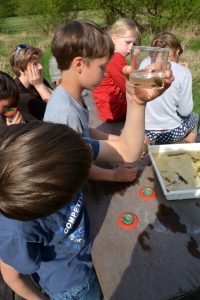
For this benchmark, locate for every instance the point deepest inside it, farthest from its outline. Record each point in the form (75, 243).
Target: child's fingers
(127, 71)
(17, 119)
(143, 95)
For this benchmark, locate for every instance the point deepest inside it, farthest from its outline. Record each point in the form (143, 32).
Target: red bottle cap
(127, 220)
(10, 112)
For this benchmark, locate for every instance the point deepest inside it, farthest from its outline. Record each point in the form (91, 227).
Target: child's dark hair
(8, 87)
(167, 40)
(80, 38)
(42, 166)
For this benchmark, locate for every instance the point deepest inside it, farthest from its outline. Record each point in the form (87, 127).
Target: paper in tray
(178, 169)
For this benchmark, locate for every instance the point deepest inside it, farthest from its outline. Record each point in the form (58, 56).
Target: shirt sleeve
(20, 254)
(95, 147)
(55, 115)
(186, 100)
(74, 122)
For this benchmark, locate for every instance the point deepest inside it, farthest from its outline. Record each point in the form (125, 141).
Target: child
(33, 90)
(169, 118)
(74, 56)
(44, 225)
(8, 98)
(110, 95)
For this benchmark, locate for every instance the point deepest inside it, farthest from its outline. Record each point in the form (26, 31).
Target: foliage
(7, 8)
(45, 62)
(18, 24)
(117, 8)
(155, 15)
(54, 12)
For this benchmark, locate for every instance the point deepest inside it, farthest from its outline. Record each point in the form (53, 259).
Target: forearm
(22, 285)
(44, 91)
(98, 173)
(25, 287)
(128, 147)
(132, 137)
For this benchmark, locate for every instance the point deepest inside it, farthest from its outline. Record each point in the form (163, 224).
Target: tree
(7, 8)
(155, 15)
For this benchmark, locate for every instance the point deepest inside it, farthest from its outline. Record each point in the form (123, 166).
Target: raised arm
(100, 135)
(36, 79)
(129, 146)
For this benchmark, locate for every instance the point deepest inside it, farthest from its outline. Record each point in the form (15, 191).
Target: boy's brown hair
(22, 55)
(167, 40)
(8, 87)
(80, 38)
(42, 166)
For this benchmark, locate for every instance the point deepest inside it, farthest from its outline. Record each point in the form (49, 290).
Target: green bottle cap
(10, 110)
(148, 191)
(127, 219)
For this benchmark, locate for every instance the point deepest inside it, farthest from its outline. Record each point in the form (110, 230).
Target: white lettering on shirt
(73, 216)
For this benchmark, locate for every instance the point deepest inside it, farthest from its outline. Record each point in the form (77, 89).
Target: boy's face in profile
(93, 72)
(5, 104)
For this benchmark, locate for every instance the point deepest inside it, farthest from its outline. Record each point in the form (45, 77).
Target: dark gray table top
(159, 259)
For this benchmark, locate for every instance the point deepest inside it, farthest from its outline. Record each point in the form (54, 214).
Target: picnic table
(159, 258)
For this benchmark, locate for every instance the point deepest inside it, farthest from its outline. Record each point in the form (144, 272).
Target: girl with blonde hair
(110, 95)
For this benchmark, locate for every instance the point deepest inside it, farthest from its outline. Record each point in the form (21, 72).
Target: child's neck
(72, 87)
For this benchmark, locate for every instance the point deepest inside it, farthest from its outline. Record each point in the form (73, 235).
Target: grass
(18, 25)
(19, 30)
(23, 29)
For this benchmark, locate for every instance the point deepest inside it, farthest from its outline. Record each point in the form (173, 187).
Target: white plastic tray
(174, 148)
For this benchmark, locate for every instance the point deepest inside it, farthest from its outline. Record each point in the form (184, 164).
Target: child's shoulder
(179, 69)
(59, 94)
(118, 60)
(118, 56)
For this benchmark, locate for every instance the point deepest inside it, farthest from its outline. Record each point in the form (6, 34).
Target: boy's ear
(77, 64)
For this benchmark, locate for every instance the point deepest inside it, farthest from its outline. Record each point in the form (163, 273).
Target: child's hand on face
(142, 95)
(34, 74)
(17, 119)
(125, 173)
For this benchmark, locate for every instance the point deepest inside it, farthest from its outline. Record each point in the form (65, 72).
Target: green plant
(45, 62)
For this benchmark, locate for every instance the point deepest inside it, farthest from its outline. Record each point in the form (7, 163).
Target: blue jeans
(89, 290)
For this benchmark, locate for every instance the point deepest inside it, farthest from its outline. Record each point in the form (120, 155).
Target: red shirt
(109, 96)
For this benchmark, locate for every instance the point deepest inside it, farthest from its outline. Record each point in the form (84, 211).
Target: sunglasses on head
(18, 49)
